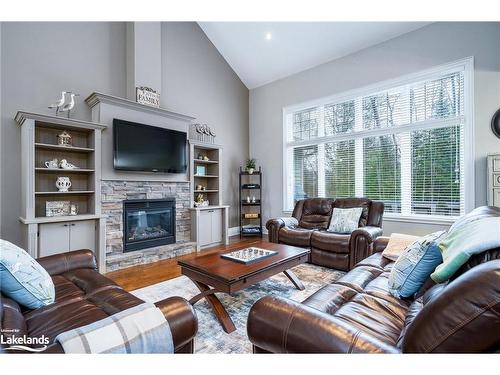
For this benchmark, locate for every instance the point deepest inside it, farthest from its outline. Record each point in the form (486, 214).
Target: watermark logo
(13, 342)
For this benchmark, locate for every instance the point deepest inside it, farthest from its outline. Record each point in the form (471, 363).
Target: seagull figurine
(59, 103)
(69, 106)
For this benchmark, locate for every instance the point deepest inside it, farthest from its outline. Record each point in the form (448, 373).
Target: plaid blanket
(140, 329)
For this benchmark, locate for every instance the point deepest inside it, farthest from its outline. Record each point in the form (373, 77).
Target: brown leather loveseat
(84, 296)
(334, 250)
(357, 314)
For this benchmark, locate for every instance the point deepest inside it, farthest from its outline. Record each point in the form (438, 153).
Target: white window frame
(466, 65)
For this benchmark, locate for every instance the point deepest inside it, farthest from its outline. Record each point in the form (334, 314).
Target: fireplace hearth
(148, 223)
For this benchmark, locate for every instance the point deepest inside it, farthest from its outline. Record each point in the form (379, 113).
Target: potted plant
(250, 166)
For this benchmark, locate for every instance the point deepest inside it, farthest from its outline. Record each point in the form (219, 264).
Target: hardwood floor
(148, 274)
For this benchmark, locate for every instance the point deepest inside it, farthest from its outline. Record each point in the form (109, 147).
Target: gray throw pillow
(345, 220)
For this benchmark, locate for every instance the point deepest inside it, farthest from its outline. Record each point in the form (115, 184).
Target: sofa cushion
(361, 298)
(326, 258)
(23, 279)
(316, 213)
(463, 318)
(334, 242)
(295, 236)
(377, 261)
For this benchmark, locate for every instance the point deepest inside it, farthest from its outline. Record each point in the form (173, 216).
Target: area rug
(211, 338)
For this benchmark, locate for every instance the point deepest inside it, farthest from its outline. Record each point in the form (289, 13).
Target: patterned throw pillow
(345, 220)
(415, 264)
(23, 279)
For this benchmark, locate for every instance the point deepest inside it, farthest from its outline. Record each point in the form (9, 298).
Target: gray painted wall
(197, 81)
(39, 60)
(36, 66)
(419, 50)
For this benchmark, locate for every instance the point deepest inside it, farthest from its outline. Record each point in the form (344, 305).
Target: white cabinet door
(216, 225)
(205, 228)
(496, 197)
(82, 235)
(53, 239)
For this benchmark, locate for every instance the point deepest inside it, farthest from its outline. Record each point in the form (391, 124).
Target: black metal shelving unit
(250, 184)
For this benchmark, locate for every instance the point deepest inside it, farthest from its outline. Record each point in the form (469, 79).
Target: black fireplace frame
(148, 243)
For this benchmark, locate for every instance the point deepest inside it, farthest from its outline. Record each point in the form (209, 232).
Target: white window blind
(401, 143)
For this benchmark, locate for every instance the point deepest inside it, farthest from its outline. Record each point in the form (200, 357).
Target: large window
(405, 142)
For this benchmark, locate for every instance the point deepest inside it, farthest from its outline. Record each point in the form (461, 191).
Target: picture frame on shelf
(201, 170)
(57, 208)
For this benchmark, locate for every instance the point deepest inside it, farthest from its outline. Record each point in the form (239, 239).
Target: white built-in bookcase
(209, 224)
(59, 234)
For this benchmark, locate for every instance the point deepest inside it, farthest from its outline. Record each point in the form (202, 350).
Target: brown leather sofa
(334, 250)
(84, 296)
(357, 314)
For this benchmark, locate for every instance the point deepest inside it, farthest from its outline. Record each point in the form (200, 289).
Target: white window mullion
(358, 149)
(321, 171)
(405, 173)
(321, 154)
(406, 164)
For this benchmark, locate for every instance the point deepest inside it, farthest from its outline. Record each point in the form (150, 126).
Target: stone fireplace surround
(117, 186)
(113, 193)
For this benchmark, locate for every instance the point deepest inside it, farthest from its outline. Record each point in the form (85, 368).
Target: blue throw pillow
(23, 279)
(415, 264)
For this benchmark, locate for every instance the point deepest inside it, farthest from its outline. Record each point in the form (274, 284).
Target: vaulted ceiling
(262, 52)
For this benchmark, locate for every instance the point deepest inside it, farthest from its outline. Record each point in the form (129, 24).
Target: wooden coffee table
(213, 274)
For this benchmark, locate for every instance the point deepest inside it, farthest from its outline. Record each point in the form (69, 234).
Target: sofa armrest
(380, 244)
(61, 263)
(181, 318)
(360, 245)
(280, 325)
(273, 227)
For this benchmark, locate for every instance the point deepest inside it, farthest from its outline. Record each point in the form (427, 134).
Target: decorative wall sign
(147, 96)
(57, 208)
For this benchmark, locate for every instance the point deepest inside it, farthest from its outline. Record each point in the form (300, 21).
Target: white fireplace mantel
(96, 97)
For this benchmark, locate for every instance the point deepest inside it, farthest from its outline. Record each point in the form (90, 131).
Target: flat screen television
(139, 147)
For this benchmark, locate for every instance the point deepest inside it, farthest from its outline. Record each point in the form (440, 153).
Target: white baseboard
(235, 231)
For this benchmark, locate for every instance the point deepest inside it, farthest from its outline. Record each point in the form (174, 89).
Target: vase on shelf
(63, 184)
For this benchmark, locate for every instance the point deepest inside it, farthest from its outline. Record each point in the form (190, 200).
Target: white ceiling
(294, 46)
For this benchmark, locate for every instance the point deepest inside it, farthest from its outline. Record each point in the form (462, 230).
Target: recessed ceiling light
(269, 36)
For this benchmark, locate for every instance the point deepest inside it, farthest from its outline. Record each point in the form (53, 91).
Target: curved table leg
(294, 279)
(219, 310)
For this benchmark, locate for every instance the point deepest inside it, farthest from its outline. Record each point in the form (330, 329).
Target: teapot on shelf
(52, 164)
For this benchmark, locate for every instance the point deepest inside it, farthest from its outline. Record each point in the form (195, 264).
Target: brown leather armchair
(357, 314)
(84, 296)
(334, 250)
